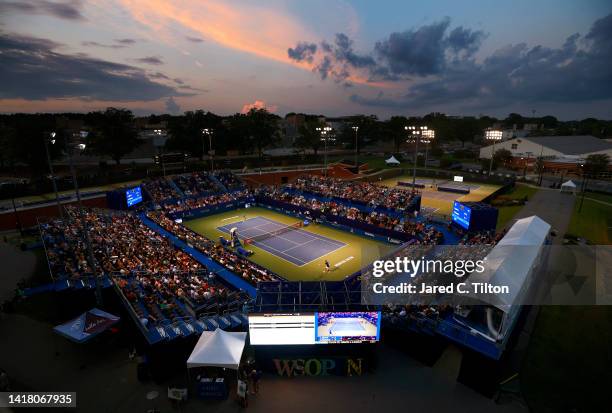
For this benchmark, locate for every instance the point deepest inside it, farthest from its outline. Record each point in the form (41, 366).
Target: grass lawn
(358, 252)
(506, 213)
(567, 365)
(595, 220)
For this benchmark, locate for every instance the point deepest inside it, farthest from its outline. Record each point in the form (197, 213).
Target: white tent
(218, 349)
(513, 263)
(392, 161)
(568, 186)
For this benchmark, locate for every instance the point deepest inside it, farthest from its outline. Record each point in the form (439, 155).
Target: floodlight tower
(208, 132)
(427, 136)
(415, 133)
(51, 140)
(324, 131)
(356, 129)
(493, 135)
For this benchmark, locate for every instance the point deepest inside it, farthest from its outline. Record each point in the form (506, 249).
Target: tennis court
(290, 243)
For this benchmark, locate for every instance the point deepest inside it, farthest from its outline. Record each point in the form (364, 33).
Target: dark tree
(186, 133)
(370, 131)
(395, 129)
(309, 137)
(113, 133)
(262, 129)
(502, 156)
(596, 164)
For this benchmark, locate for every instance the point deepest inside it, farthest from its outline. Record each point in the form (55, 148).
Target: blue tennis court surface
(297, 246)
(348, 324)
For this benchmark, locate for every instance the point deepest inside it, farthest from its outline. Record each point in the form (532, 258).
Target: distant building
(551, 147)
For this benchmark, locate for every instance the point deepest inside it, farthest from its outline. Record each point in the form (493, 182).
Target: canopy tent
(513, 263)
(87, 325)
(568, 186)
(392, 161)
(218, 348)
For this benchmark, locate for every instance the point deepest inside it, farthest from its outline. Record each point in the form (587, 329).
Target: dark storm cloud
(69, 10)
(159, 75)
(194, 39)
(126, 41)
(150, 60)
(424, 51)
(107, 46)
(578, 71)
(344, 53)
(324, 67)
(119, 44)
(31, 69)
(462, 40)
(415, 52)
(302, 52)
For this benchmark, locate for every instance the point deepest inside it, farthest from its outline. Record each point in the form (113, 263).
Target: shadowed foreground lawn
(594, 221)
(568, 363)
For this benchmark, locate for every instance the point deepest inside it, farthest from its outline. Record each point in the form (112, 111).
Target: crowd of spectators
(195, 183)
(229, 180)
(240, 266)
(160, 189)
(149, 269)
(366, 192)
(422, 232)
(204, 201)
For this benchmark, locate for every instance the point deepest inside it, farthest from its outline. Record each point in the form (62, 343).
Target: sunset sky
(332, 57)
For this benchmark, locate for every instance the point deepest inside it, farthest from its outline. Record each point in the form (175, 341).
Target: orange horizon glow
(263, 32)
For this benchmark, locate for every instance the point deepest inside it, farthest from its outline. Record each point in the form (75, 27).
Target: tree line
(113, 132)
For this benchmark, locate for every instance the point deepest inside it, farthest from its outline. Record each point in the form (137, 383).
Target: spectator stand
(221, 271)
(183, 323)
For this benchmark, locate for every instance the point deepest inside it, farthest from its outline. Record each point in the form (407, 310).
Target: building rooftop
(572, 145)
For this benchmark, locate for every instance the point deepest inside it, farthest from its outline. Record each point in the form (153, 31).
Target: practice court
(295, 245)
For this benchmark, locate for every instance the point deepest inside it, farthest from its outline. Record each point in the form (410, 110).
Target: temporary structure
(514, 262)
(568, 186)
(392, 161)
(87, 325)
(218, 348)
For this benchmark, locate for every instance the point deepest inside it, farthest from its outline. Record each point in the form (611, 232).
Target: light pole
(209, 132)
(493, 135)
(427, 136)
(356, 129)
(584, 184)
(83, 221)
(324, 131)
(57, 200)
(415, 133)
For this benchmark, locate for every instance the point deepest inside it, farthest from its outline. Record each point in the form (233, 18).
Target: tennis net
(274, 233)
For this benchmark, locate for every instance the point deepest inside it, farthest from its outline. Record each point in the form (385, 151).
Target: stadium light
(85, 225)
(323, 132)
(57, 201)
(208, 132)
(356, 129)
(416, 133)
(493, 135)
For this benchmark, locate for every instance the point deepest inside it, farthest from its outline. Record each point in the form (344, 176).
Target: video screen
(348, 327)
(133, 196)
(461, 215)
(278, 329)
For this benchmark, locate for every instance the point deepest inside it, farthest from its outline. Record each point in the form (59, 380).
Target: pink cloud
(258, 104)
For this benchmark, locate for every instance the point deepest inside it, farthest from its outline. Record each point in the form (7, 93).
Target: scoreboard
(461, 214)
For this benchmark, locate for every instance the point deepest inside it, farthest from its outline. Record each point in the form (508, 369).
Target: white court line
(314, 237)
(226, 219)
